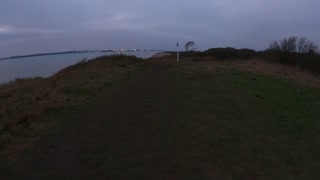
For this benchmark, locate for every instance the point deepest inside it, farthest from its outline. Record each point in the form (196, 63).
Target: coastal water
(45, 66)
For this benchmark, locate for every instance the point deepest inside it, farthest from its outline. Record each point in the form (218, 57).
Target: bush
(304, 61)
(310, 61)
(230, 53)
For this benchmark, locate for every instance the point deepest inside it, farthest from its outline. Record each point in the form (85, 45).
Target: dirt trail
(125, 135)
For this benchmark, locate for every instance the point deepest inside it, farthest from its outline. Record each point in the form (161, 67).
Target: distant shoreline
(47, 54)
(70, 52)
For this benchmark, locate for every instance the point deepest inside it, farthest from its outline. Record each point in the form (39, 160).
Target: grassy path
(187, 122)
(123, 135)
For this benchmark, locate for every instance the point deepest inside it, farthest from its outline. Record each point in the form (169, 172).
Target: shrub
(304, 60)
(230, 53)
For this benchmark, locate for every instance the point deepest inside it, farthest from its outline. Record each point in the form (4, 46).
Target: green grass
(26, 104)
(217, 122)
(236, 123)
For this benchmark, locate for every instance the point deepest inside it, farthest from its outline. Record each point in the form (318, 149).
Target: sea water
(45, 66)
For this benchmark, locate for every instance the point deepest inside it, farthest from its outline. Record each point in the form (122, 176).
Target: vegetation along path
(187, 121)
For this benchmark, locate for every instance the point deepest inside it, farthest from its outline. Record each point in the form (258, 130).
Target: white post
(178, 52)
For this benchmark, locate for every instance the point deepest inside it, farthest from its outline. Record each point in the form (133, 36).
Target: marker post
(178, 52)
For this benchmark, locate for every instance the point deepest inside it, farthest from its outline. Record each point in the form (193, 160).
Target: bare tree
(188, 45)
(306, 46)
(275, 46)
(294, 44)
(289, 45)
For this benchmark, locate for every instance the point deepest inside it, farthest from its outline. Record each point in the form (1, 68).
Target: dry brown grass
(302, 76)
(25, 102)
(25, 99)
(258, 66)
(294, 73)
(161, 55)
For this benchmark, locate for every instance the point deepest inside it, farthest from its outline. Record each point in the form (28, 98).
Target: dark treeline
(310, 61)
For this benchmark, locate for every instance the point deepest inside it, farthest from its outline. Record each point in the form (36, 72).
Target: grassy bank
(305, 61)
(204, 119)
(26, 103)
(232, 122)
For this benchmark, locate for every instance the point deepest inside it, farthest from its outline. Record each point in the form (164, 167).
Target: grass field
(192, 120)
(243, 124)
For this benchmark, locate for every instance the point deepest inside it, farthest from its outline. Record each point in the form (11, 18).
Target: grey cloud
(72, 24)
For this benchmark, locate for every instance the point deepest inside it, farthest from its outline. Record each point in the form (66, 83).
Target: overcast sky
(35, 26)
